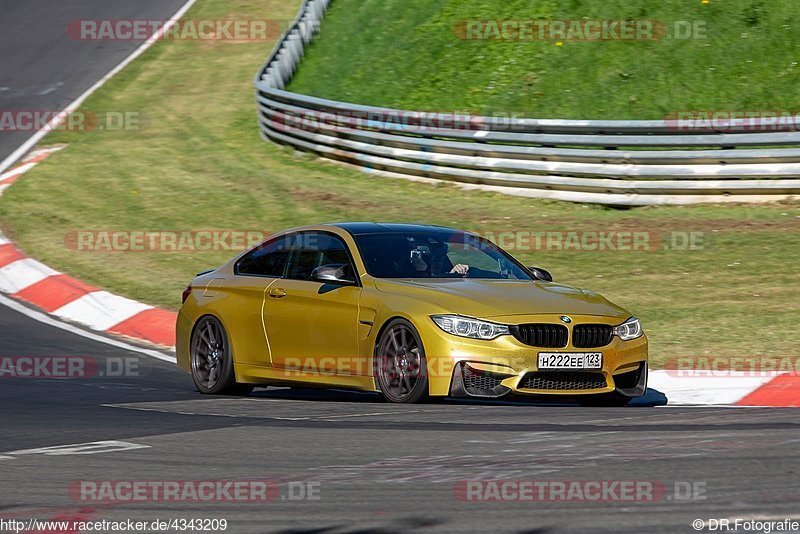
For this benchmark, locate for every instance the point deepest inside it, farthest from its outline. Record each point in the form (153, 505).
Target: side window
(266, 260)
(312, 250)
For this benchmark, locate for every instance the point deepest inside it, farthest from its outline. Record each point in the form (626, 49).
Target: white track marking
(38, 136)
(19, 171)
(42, 318)
(166, 409)
(93, 447)
(23, 273)
(100, 310)
(705, 392)
(27, 164)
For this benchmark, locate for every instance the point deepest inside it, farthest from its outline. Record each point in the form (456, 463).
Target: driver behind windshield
(431, 261)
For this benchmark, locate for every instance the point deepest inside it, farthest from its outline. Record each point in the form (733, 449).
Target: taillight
(186, 293)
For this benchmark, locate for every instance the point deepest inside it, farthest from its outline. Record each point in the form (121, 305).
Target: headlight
(466, 327)
(630, 329)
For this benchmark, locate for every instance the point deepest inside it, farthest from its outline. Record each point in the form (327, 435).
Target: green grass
(199, 163)
(405, 54)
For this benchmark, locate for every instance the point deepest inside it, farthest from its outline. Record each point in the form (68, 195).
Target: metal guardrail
(612, 162)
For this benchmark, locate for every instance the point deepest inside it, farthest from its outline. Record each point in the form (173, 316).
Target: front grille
(541, 335)
(586, 336)
(572, 380)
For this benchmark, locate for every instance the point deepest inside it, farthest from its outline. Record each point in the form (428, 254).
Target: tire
(401, 371)
(212, 360)
(604, 400)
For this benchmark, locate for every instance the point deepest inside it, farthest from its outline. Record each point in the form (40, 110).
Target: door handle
(277, 293)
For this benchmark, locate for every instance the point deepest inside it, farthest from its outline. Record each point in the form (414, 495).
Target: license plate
(570, 360)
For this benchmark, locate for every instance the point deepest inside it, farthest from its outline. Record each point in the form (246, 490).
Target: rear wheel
(212, 360)
(401, 371)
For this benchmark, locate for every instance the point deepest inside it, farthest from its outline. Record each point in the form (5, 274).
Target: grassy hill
(408, 54)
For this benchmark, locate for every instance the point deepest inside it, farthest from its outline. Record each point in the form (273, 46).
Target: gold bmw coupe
(409, 311)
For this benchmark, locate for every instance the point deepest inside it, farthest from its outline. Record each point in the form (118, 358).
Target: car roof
(361, 228)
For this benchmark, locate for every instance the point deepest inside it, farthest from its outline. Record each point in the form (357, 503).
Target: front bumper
(491, 369)
(467, 381)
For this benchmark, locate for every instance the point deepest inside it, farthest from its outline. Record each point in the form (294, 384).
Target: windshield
(436, 254)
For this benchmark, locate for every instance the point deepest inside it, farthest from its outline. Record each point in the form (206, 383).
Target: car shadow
(653, 397)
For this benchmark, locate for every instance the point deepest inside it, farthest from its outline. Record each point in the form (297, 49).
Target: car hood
(490, 298)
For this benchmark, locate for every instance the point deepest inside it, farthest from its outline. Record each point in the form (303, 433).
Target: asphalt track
(377, 467)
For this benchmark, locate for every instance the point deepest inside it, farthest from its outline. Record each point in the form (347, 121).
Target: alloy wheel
(209, 353)
(401, 364)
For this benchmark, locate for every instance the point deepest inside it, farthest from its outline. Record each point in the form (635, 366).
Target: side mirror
(333, 273)
(541, 274)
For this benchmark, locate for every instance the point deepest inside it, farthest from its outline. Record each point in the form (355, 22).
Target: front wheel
(212, 360)
(400, 367)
